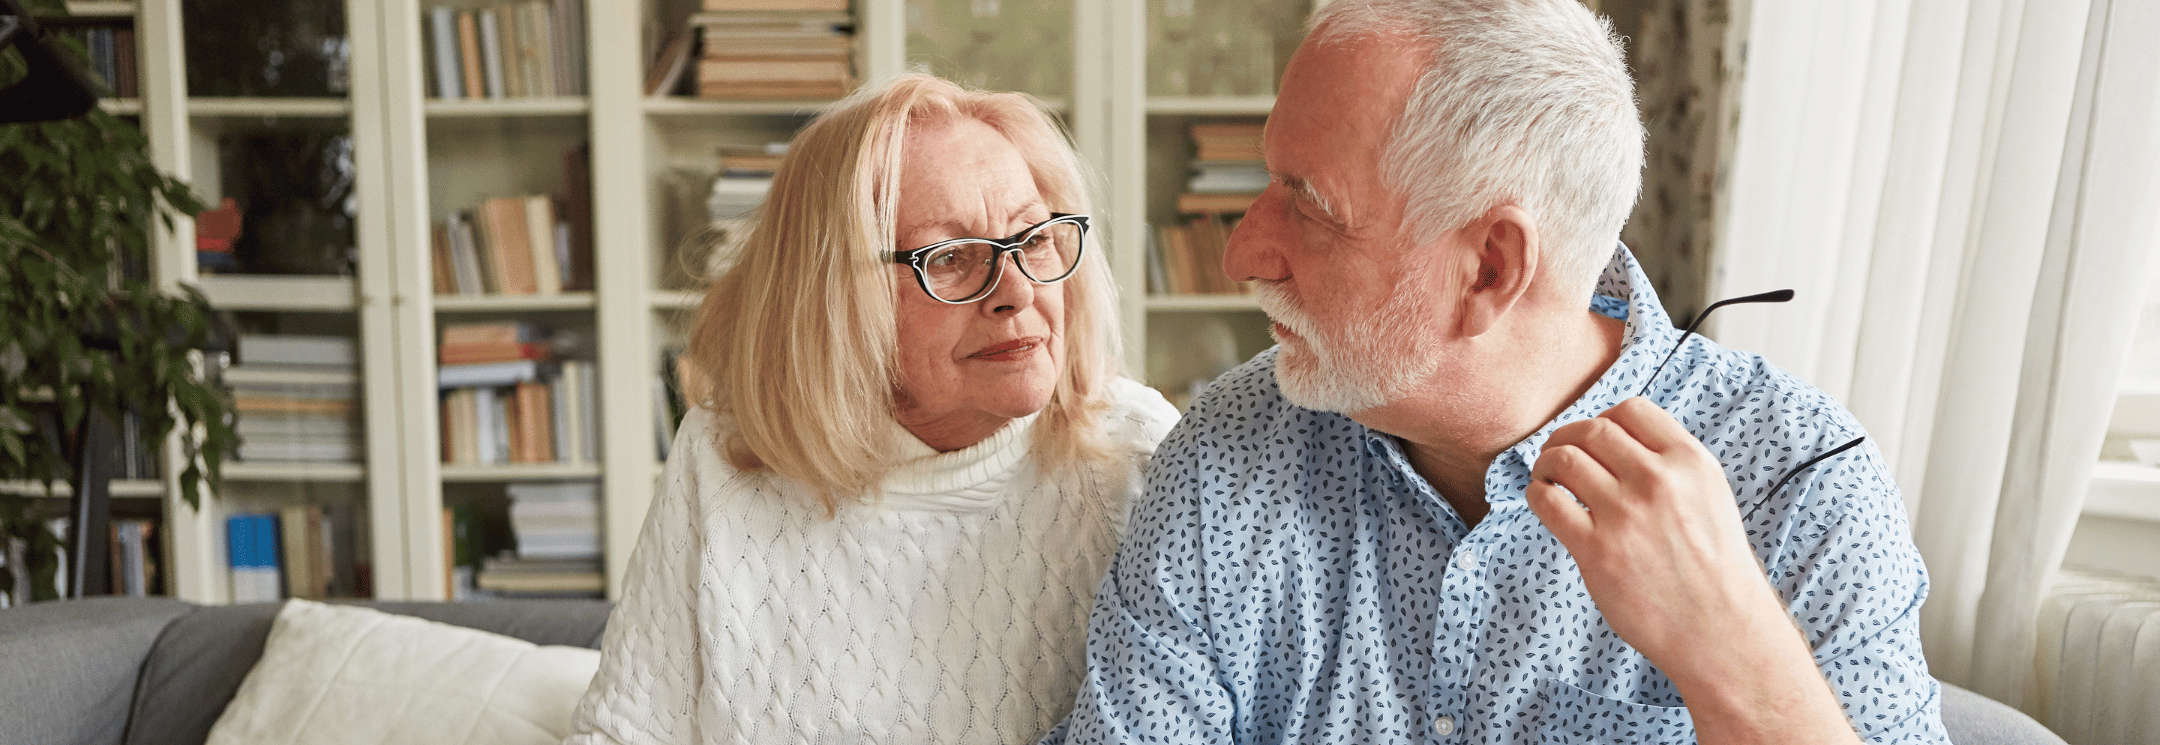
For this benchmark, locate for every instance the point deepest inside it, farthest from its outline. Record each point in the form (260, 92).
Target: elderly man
(1483, 490)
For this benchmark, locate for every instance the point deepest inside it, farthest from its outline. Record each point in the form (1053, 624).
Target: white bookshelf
(414, 157)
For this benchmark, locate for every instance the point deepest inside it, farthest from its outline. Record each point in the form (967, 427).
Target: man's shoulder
(1753, 395)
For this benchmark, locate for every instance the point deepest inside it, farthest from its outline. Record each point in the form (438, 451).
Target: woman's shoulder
(1139, 415)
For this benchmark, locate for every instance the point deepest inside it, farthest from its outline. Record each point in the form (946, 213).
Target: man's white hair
(1522, 101)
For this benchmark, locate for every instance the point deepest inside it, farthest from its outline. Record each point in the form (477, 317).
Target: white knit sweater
(954, 610)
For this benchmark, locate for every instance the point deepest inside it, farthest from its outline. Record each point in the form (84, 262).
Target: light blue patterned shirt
(1288, 577)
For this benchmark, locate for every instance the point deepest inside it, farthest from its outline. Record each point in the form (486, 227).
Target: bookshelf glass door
(274, 149)
(999, 45)
(1211, 71)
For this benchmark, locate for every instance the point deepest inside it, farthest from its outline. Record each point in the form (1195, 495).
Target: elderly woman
(912, 456)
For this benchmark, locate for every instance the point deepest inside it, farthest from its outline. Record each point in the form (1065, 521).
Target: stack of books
(1227, 175)
(297, 398)
(506, 400)
(557, 527)
(507, 50)
(774, 49)
(1228, 168)
(746, 174)
(112, 56)
(135, 553)
(294, 552)
(508, 246)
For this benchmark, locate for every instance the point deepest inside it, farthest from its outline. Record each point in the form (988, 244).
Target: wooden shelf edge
(483, 303)
(121, 489)
(1200, 303)
(509, 107)
(337, 472)
(1211, 105)
(272, 292)
(469, 473)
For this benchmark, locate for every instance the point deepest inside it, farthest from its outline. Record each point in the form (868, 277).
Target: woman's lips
(1008, 351)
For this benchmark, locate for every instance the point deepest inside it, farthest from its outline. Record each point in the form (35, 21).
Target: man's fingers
(1653, 427)
(1571, 467)
(1564, 516)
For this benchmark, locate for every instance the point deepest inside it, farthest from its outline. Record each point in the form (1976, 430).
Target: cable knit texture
(951, 610)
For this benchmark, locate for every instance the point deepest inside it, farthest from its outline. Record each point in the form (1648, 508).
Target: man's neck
(1502, 391)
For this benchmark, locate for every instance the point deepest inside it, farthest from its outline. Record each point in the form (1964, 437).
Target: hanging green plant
(83, 326)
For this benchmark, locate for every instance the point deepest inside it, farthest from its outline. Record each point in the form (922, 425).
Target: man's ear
(1503, 253)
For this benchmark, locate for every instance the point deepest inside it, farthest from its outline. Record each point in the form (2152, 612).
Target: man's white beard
(1349, 373)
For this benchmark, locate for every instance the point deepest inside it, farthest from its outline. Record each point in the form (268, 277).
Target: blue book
(252, 548)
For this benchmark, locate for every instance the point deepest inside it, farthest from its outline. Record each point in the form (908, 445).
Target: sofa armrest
(72, 664)
(1973, 719)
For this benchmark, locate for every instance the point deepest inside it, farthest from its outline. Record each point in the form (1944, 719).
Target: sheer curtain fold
(1969, 197)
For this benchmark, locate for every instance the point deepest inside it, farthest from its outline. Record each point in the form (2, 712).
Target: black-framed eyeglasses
(1774, 296)
(964, 270)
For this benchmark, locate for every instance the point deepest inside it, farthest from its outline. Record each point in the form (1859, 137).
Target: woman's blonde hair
(797, 342)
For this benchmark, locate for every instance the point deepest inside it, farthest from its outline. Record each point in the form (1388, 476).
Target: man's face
(1352, 299)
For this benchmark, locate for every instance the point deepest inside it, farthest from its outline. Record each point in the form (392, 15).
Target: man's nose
(1254, 249)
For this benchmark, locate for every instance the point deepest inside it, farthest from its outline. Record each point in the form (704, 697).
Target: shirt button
(1466, 561)
(1444, 726)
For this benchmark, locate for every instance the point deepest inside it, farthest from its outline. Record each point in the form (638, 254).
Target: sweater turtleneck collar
(964, 480)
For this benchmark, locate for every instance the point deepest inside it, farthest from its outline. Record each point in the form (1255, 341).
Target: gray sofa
(158, 671)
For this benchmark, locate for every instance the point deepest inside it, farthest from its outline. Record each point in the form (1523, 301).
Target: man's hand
(1657, 536)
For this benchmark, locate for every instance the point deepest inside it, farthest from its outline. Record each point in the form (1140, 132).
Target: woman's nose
(1013, 291)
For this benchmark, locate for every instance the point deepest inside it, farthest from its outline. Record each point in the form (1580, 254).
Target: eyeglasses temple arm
(1773, 296)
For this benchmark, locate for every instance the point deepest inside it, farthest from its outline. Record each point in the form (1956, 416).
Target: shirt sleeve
(1854, 581)
(645, 692)
(1152, 675)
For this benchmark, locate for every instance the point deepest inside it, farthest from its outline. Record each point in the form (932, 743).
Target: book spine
(491, 53)
(487, 421)
(563, 405)
(540, 239)
(540, 26)
(473, 69)
(443, 38)
(466, 256)
(506, 223)
(443, 269)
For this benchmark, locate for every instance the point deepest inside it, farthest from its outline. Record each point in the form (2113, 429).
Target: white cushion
(345, 674)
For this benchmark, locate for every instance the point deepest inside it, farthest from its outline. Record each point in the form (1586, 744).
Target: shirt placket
(1459, 617)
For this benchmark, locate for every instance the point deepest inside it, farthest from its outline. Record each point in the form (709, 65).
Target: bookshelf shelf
(506, 303)
(279, 293)
(121, 489)
(519, 472)
(1210, 105)
(682, 106)
(121, 106)
(101, 9)
(296, 107)
(510, 107)
(1200, 303)
(295, 472)
(677, 299)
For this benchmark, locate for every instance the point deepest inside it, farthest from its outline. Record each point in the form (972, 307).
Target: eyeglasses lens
(963, 270)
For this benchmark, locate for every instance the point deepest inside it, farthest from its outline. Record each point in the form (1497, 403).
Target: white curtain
(1965, 195)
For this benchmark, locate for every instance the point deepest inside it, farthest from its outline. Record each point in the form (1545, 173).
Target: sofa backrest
(68, 668)
(203, 656)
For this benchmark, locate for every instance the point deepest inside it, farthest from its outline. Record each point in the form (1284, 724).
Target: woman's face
(965, 370)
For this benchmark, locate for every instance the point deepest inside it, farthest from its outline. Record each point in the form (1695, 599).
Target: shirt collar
(1649, 336)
